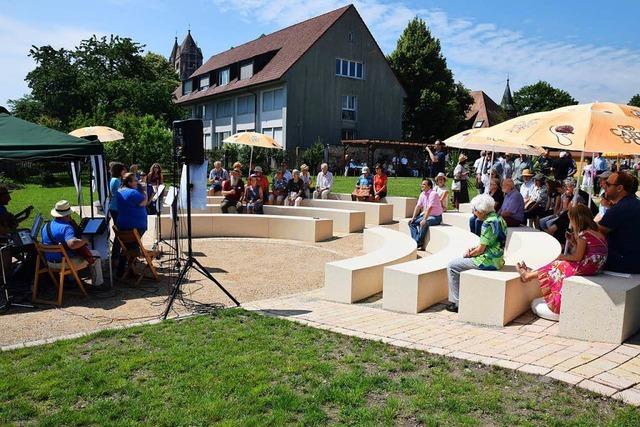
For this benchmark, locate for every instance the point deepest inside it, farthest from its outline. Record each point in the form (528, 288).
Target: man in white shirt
(324, 181)
(527, 184)
(286, 173)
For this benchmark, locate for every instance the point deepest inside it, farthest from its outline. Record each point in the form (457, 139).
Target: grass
(238, 368)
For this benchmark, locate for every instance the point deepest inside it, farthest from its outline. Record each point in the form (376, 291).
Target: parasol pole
(250, 159)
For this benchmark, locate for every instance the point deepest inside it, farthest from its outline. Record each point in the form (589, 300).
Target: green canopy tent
(22, 140)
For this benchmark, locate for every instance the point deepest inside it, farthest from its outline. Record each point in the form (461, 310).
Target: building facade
(324, 79)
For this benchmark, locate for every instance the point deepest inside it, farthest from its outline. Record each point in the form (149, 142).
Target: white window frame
(349, 105)
(272, 105)
(350, 69)
(205, 78)
(224, 76)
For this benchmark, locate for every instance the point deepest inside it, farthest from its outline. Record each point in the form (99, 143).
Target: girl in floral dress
(589, 253)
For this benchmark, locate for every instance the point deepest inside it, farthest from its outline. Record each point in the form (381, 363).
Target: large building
(322, 79)
(484, 112)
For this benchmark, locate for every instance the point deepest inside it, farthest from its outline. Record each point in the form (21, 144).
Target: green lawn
(43, 199)
(238, 368)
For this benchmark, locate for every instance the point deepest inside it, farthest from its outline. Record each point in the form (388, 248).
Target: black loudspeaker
(188, 140)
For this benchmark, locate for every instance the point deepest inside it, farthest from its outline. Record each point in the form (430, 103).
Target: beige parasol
(253, 139)
(103, 133)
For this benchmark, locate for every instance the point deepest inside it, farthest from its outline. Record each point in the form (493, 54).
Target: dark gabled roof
(484, 108)
(289, 44)
(174, 51)
(507, 100)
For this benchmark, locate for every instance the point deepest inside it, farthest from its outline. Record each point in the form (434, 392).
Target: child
(587, 258)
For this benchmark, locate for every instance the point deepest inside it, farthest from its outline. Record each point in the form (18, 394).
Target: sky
(591, 49)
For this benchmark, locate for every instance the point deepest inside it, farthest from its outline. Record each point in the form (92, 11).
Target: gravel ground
(251, 269)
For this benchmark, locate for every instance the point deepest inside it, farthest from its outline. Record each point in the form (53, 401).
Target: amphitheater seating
(413, 286)
(354, 279)
(402, 206)
(375, 213)
(265, 226)
(600, 308)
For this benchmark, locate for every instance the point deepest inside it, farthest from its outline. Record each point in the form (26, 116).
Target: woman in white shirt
(441, 190)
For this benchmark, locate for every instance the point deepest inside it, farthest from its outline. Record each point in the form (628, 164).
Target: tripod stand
(191, 261)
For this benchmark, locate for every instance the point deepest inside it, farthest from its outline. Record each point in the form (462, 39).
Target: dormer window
(223, 77)
(186, 87)
(204, 82)
(246, 70)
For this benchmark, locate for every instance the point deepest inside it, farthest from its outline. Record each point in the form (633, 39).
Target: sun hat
(365, 169)
(438, 142)
(257, 169)
(538, 177)
(526, 172)
(462, 158)
(304, 167)
(61, 209)
(441, 175)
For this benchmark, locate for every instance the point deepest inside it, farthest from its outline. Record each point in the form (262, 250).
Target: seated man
(9, 221)
(63, 230)
(232, 191)
(217, 176)
(278, 189)
(620, 224)
(512, 210)
(324, 182)
(363, 188)
(428, 212)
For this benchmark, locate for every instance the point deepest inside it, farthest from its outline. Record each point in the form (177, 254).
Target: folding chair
(67, 266)
(131, 246)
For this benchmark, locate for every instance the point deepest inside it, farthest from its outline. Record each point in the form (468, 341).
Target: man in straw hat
(527, 184)
(63, 230)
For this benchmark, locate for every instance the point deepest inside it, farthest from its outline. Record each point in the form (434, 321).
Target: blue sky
(592, 53)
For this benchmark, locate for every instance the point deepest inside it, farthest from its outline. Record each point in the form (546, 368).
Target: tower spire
(507, 101)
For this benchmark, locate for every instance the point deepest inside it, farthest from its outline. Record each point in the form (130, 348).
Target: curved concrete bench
(375, 213)
(264, 226)
(497, 297)
(353, 279)
(402, 206)
(416, 285)
(457, 219)
(600, 308)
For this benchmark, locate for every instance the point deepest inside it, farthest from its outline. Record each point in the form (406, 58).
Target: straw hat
(526, 172)
(462, 158)
(441, 175)
(257, 169)
(62, 209)
(365, 169)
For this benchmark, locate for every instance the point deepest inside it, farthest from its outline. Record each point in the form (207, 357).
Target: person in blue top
(132, 210)
(117, 172)
(62, 230)
(364, 184)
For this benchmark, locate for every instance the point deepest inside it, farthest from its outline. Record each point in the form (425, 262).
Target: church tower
(186, 57)
(507, 102)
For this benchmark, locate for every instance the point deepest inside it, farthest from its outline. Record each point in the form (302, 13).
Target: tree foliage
(435, 106)
(541, 96)
(635, 100)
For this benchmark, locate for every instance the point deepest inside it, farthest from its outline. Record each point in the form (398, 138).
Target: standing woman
(117, 173)
(441, 189)
(155, 178)
(460, 185)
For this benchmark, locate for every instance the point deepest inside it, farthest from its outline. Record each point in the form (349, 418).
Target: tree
(635, 100)
(541, 96)
(435, 106)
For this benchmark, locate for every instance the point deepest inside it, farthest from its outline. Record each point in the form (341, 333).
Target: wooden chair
(67, 266)
(132, 247)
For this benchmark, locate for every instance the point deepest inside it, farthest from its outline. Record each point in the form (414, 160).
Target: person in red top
(379, 184)
(263, 181)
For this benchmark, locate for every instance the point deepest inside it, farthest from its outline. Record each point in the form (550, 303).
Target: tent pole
(91, 184)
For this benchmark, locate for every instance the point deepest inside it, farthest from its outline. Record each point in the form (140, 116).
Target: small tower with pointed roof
(186, 57)
(507, 102)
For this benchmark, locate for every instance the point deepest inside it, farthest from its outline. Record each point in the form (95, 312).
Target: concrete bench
(263, 226)
(497, 297)
(402, 206)
(416, 285)
(375, 213)
(600, 308)
(457, 219)
(465, 208)
(353, 279)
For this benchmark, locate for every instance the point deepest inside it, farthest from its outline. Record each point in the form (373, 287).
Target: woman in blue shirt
(132, 211)
(117, 172)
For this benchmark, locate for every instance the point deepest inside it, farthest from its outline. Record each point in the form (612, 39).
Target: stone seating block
(457, 219)
(602, 308)
(416, 285)
(402, 206)
(465, 208)
(344, 221)
(354, 279)
(375, 213)
(497, 297)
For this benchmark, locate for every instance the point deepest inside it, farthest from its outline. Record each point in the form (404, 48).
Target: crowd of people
(594, 236)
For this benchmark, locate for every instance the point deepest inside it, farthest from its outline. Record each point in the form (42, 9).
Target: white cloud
(16, 38)
(480, 54)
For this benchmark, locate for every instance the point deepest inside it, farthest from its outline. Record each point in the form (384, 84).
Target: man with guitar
(8, 221)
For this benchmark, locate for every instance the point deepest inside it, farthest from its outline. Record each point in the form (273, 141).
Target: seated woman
(488, 255)
(305, 176)
(441, 189)
(295, 190)
(554, 205)
(587, 257)
(363, 188)
(278, 189)
(379, 184)
(495, 191)
(132, 211)
(253, 198)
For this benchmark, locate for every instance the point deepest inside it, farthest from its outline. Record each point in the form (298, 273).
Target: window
(221, 136)
(224, 109)
(207, 141)
(246, 70)
(201, 111)
(275, 133)
(223, 77)
(273, 100)
(346, 68)
(478, 124)
(349, 107)
(348, 134)
(204, 82)
(246, 105)
(186, 87)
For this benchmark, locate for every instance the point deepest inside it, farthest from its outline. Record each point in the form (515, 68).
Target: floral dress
(552, 275)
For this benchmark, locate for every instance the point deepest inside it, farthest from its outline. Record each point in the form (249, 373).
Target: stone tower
(507, 102)
(186, 57)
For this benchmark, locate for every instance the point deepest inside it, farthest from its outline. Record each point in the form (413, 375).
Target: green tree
(435, 106)
(541, 96)
(314, 155)
(635, 100)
